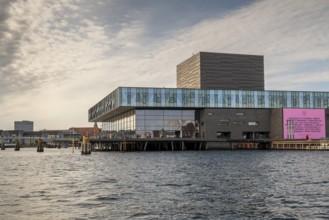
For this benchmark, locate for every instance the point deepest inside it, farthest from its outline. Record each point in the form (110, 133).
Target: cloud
(57, 64)
(41, 51)
(287, 33)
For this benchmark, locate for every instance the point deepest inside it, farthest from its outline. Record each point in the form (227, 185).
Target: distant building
(87, 131)
(23, 126)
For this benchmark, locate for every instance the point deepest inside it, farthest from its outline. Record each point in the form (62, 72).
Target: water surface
(57, 184)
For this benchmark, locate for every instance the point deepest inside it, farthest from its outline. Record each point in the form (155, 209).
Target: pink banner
(304, 123)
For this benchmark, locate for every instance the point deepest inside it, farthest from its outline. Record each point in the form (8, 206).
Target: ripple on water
(164, 185)
(109, 198)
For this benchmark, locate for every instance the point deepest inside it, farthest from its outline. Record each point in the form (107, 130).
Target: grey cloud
(3, 9)
(16, 32)
(6, 48)
(9, 43)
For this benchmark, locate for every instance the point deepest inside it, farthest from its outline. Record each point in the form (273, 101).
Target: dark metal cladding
(206, 70)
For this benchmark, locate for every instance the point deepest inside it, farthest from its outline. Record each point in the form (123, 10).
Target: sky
(58, 58)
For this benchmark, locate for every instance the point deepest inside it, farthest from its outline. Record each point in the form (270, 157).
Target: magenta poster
(302, 123)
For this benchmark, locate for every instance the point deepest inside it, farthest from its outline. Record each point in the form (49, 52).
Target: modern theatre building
(218, 96)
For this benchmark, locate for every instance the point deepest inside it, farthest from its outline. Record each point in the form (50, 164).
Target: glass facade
(107, 104)
(196, 98)
(122, 122)
(163, 97)
(152, 124)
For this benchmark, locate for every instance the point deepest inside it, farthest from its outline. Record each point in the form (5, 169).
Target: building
(93, 132)
(220, 96)
(50, 137)
(23, 126)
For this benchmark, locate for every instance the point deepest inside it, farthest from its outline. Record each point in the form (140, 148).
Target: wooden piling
(145, 146)
(183, 145)
(200, 146)
(124, 145)
(86, 147)
(40, 146)
(17, 147)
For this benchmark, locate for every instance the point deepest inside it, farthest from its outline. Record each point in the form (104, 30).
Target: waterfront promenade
(181, 144)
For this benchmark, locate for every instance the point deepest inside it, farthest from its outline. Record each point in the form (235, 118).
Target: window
(221, 134)
(261, 99)
(157, 97)
(222, 124)
(294, 100)
(129, 98)
(306, 100)
(253, 123)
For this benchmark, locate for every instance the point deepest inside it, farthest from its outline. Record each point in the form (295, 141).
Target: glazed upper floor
(136, 97)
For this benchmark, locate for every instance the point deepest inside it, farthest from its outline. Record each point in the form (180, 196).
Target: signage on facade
(304, 123)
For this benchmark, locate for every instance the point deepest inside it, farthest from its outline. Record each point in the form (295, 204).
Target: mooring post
(17, 145)
(86, 146)
(172, 145)
(3, 147)
(40, 145)
(125, 145)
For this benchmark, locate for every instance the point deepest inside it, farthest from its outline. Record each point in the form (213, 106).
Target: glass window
(154, 117)
(227, 98)
(172, 112)
(211, 98)
(261, 100)
(172, 117)
(157, 96)
(253, 123)
(171, 97)
(153, 122)
(202, 98)
(153, 112)
(294, 99)
(306, 100)
(179, 98)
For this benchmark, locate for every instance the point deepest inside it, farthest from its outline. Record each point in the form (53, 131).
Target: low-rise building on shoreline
(50, 137)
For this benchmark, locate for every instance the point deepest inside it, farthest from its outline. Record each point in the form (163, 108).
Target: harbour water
(57, 184)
